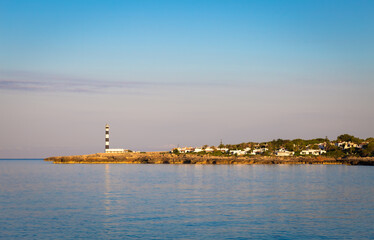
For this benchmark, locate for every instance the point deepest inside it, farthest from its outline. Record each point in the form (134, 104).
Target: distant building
(322, 146)
(197, 150)
(185, 149)
(346, 145)
(315, 152)
(284, 153)
(223, 150)
(238, 152)
(116, 150)
(209, 149)
(247, 149)
(259, 150)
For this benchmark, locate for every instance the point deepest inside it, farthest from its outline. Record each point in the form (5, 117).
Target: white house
(209, 149)
(223, 149)
(259, 151)
(315, 152)
(346, 145)
(238, 152)
(197, 150)
(247, 149)
(284, 153)
(185, 149)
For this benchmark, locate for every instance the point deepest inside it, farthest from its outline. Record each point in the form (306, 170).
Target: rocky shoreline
(169, 158)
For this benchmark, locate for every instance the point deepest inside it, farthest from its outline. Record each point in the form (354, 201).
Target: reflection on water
(46, 201)
(107, 191)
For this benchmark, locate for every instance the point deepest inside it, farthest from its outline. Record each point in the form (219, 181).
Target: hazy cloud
(41, 82)
(38, 82)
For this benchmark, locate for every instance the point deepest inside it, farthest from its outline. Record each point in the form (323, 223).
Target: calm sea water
(40, 200)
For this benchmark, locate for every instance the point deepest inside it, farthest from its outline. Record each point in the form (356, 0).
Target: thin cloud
(37, 82)
(40, 82)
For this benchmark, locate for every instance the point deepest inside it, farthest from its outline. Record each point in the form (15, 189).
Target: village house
(209, 149)
(315, 152)
(346, 145)
(223, 150)
(237, 152)
(259, 150)
(284, 153)
(197, 150)
(185, 149)
(322, 146)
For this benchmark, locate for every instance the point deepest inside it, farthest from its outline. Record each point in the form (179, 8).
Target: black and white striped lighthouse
(106, 137)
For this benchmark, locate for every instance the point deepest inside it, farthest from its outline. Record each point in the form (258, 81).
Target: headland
(172, 158)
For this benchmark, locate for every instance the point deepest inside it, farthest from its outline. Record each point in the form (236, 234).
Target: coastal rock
(170, 158)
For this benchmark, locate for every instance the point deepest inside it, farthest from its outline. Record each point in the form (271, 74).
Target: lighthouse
(106, 137)
(111, 150)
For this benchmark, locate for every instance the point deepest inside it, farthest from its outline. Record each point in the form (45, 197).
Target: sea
(42, 200)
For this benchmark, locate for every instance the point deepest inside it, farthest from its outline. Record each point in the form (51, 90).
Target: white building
(315, 152)
(237, 152)
(259, 151)
(224, 150)
(247, 149)
(116, 150)
(197, 150)
(284, 153)
(185, 149)
(209, 149)
(346, 145)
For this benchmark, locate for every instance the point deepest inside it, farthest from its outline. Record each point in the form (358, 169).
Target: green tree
(289, 146)
(278, 143)
(175, 151)
(335, 153)
(344, 138)
(349, 138)
(299, 144)
(217, 153)
(370, 148)
(266, 153)
(313, 146)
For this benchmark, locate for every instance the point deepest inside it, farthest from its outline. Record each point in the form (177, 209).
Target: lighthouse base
(116, 150)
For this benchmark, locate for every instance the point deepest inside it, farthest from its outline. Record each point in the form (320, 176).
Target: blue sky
(164, 73)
